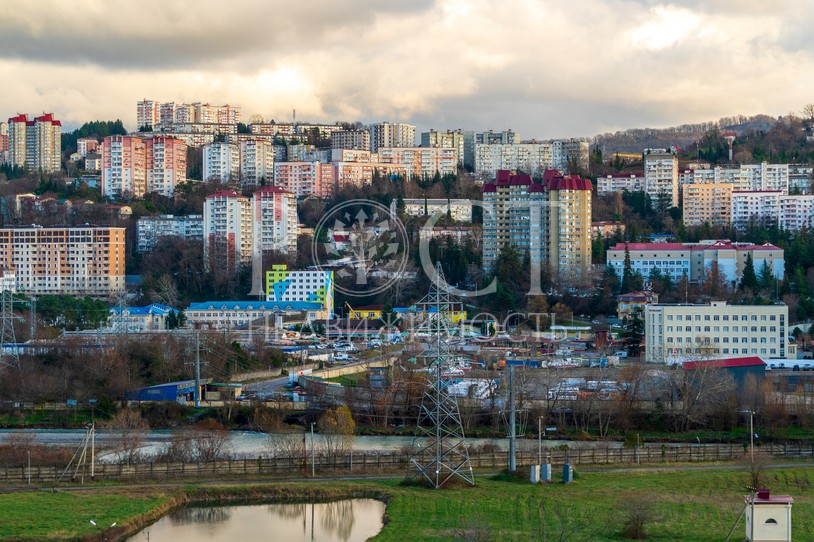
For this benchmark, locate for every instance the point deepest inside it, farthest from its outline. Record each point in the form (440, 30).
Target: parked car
(343, 357)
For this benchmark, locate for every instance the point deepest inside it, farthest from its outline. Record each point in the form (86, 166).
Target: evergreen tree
(628, 276)
(633, 332)
(766, 278)
(749, 278)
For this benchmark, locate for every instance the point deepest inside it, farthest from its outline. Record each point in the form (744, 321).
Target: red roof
(489, 187)
(571, 182)
(19, 118)
(503, 175)
(724, 363)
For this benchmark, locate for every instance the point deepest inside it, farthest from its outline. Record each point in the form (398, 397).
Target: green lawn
(691, 506)
(67, 515)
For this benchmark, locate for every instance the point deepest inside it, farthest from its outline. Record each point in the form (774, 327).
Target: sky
(545, 68)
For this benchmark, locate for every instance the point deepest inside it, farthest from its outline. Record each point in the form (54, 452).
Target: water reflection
(341, 521)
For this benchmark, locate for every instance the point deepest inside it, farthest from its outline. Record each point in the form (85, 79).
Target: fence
(370, 463)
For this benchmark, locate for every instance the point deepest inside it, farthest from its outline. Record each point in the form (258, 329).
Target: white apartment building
(86, 261)
(227, 230)
(754, 206)
(256, 162)
(351, 139)
(274, 218)
(353, 155)
(661, 175)
(459, 209)
(795, 212)
(421, 162)
(533, 158)
(390, 134)
(307, 153)
(695, 259)
(763, 177)
(166, 164)
(35, 144)
(221, 162)
(611, 184)
(676, 333)
(149, 229)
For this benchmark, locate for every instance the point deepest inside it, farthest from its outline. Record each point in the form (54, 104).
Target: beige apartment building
(83, 261)
(710, 203)
(675, 333)
(550, 221)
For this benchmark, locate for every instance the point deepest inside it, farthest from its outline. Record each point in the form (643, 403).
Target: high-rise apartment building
(661, 176)
(274, 216)
(610, 184)
(305, 178)
(680, 332)
(709, 203)
(759, 206)
(86, 146)
(35, 144)
(351, 139)
(421, 162)
(148, 114)
(227, 231)
(149, 229)
(533, 158)
(449, 139)
(124, 167)
(221, 162)
(256, 162)
(549, 221)
(166, 163)
(84, 261)
(389, 134)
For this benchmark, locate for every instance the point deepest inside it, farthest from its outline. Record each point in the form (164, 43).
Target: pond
(352, 520)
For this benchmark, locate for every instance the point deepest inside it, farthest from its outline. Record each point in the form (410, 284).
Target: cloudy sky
(546, 68)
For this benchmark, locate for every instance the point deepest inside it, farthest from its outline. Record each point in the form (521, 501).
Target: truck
(294, 376)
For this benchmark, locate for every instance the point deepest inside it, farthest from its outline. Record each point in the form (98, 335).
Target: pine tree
(749, 278)
(628, 277)
(766, 277)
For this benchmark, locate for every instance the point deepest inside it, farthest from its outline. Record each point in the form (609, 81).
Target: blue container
(545, 472)
(567, 474)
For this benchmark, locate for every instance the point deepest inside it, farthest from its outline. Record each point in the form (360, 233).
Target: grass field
(691, 506)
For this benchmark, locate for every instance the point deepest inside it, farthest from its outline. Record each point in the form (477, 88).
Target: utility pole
(512, 444)
(197, 369)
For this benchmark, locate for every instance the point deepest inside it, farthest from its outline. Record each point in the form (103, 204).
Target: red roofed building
(738, 368)
(549, 220)
(695, 259)
(35, 144)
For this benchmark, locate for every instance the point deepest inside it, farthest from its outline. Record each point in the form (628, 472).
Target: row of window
(716, 329)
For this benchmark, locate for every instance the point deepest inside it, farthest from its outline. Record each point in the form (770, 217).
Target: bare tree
(210, 441)
(637, 514)
(702, 391)
(336, 425)
(129, 427)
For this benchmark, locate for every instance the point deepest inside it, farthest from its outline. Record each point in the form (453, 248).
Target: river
(249, 444)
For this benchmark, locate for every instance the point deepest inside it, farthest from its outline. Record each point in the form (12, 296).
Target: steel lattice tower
(7, 336)
(439, 448)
